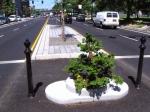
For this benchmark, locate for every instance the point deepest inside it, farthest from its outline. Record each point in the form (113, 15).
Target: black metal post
(29, 68)
(140, 64)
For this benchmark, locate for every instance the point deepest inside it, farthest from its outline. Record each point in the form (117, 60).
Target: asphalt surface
(120, 43)
(14, 90)
(114, 41)
(12, 38)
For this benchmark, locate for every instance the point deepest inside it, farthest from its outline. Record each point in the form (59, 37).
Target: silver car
(12, 18)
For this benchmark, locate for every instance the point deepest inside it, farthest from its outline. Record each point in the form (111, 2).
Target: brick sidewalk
(52, 46)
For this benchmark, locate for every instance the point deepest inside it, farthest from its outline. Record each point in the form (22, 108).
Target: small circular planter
(64, 92)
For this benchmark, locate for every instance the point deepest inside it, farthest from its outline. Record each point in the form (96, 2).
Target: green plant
(92, 69)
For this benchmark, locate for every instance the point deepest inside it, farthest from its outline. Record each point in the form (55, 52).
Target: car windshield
(109, 15)
(115, 15)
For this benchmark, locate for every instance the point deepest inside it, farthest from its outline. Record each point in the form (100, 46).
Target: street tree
(8, 7)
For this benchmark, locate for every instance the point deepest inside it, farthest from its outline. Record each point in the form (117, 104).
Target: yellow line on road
(38, 36)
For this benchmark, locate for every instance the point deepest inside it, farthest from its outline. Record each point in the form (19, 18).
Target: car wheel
(94, 24)
(101, 25)
(114, 27)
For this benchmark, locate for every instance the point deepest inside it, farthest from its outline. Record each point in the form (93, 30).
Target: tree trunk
(90, 56)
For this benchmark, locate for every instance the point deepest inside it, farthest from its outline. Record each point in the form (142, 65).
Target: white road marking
(99, 29)
(24, 25)
(128, 38)
(2, 36)
(131, 57)
(12, 62)
(85, 24)
(58, 19)
(116, 57)
(15, 29)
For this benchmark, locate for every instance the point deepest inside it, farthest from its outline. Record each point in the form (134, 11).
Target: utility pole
(93, 1)
(62, 21)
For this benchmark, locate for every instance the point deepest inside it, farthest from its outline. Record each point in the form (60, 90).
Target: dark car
(7, 20)
(80, 17)
(2, 20)
(68, 19)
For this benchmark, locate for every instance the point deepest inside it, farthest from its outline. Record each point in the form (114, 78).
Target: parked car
(106, 18)
(68, 19)
(12, 18)
(80, 17)
(18, 18)
(2, 20)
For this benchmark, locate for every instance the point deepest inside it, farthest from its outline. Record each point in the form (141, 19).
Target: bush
(92, 69)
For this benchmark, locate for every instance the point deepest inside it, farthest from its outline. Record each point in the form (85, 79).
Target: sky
(47, 4)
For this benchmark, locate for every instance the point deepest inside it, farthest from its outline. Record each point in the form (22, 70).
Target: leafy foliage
(92, 69)
(8, 7)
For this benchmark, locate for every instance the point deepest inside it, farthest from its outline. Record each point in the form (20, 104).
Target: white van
(106, 18)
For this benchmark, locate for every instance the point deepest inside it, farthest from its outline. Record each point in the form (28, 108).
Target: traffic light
(42, 1)
(32, 2)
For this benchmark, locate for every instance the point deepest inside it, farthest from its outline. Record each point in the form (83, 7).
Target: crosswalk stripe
(131, 56)
(12, 62)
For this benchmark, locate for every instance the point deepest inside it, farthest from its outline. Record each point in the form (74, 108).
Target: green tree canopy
(8, 7)
(127, 6)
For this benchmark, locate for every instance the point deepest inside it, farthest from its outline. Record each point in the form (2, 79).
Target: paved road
(12, 38)
(120, 43)
(13, 90)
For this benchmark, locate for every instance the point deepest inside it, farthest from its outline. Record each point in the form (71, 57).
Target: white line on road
(128, 38)
(12, 62)
(116, 57)
(58, 19)
(2, 36)
(15, 29)
(131, 57)
(85, 24)
(99, 29)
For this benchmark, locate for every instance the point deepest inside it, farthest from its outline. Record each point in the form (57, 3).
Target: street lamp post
(62, 20)
(92, 7)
